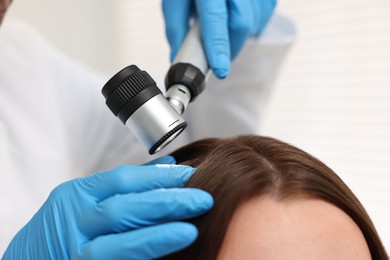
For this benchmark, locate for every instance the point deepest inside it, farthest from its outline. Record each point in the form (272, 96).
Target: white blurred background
(333, 94)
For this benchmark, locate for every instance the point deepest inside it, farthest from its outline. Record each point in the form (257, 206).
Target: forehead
(299, 228)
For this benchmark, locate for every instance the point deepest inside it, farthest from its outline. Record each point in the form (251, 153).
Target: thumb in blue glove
(128, 212)
(225, 26)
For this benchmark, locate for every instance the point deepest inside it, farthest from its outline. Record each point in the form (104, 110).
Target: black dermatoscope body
(133, 96)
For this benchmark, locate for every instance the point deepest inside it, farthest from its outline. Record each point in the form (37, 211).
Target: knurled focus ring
(128, 89)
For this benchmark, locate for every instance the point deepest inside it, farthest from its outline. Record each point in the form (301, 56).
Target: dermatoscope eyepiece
(133, 96)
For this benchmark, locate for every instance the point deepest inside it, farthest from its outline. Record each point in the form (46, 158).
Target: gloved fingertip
(171, 159)
(181, 172)
(173, 55)
(221, 73)
(168, 159)
(204, 201)
(162, 160)
(209, 202)
(176, 236)
(186, 175)
(185, 233)
(221, 67)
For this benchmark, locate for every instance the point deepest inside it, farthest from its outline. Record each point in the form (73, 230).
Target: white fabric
(55, 126)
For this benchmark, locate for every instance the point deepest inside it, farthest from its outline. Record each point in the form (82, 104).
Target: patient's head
(273, 201)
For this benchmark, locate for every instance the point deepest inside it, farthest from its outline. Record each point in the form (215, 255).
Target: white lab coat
(55, 126)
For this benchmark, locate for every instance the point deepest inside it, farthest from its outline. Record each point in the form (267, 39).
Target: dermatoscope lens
(133, 96)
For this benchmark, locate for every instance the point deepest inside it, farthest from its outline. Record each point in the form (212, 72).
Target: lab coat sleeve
(97, 139)
(234, 105)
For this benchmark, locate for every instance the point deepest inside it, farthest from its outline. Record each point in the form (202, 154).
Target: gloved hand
(130, 212)
(225, 26)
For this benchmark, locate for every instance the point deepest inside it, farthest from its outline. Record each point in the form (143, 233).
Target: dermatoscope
(133, 96)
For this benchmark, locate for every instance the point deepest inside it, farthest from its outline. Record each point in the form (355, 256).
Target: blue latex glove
(130, 212)
(225, 26)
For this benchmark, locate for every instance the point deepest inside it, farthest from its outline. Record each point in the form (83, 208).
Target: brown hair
(234, 170)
